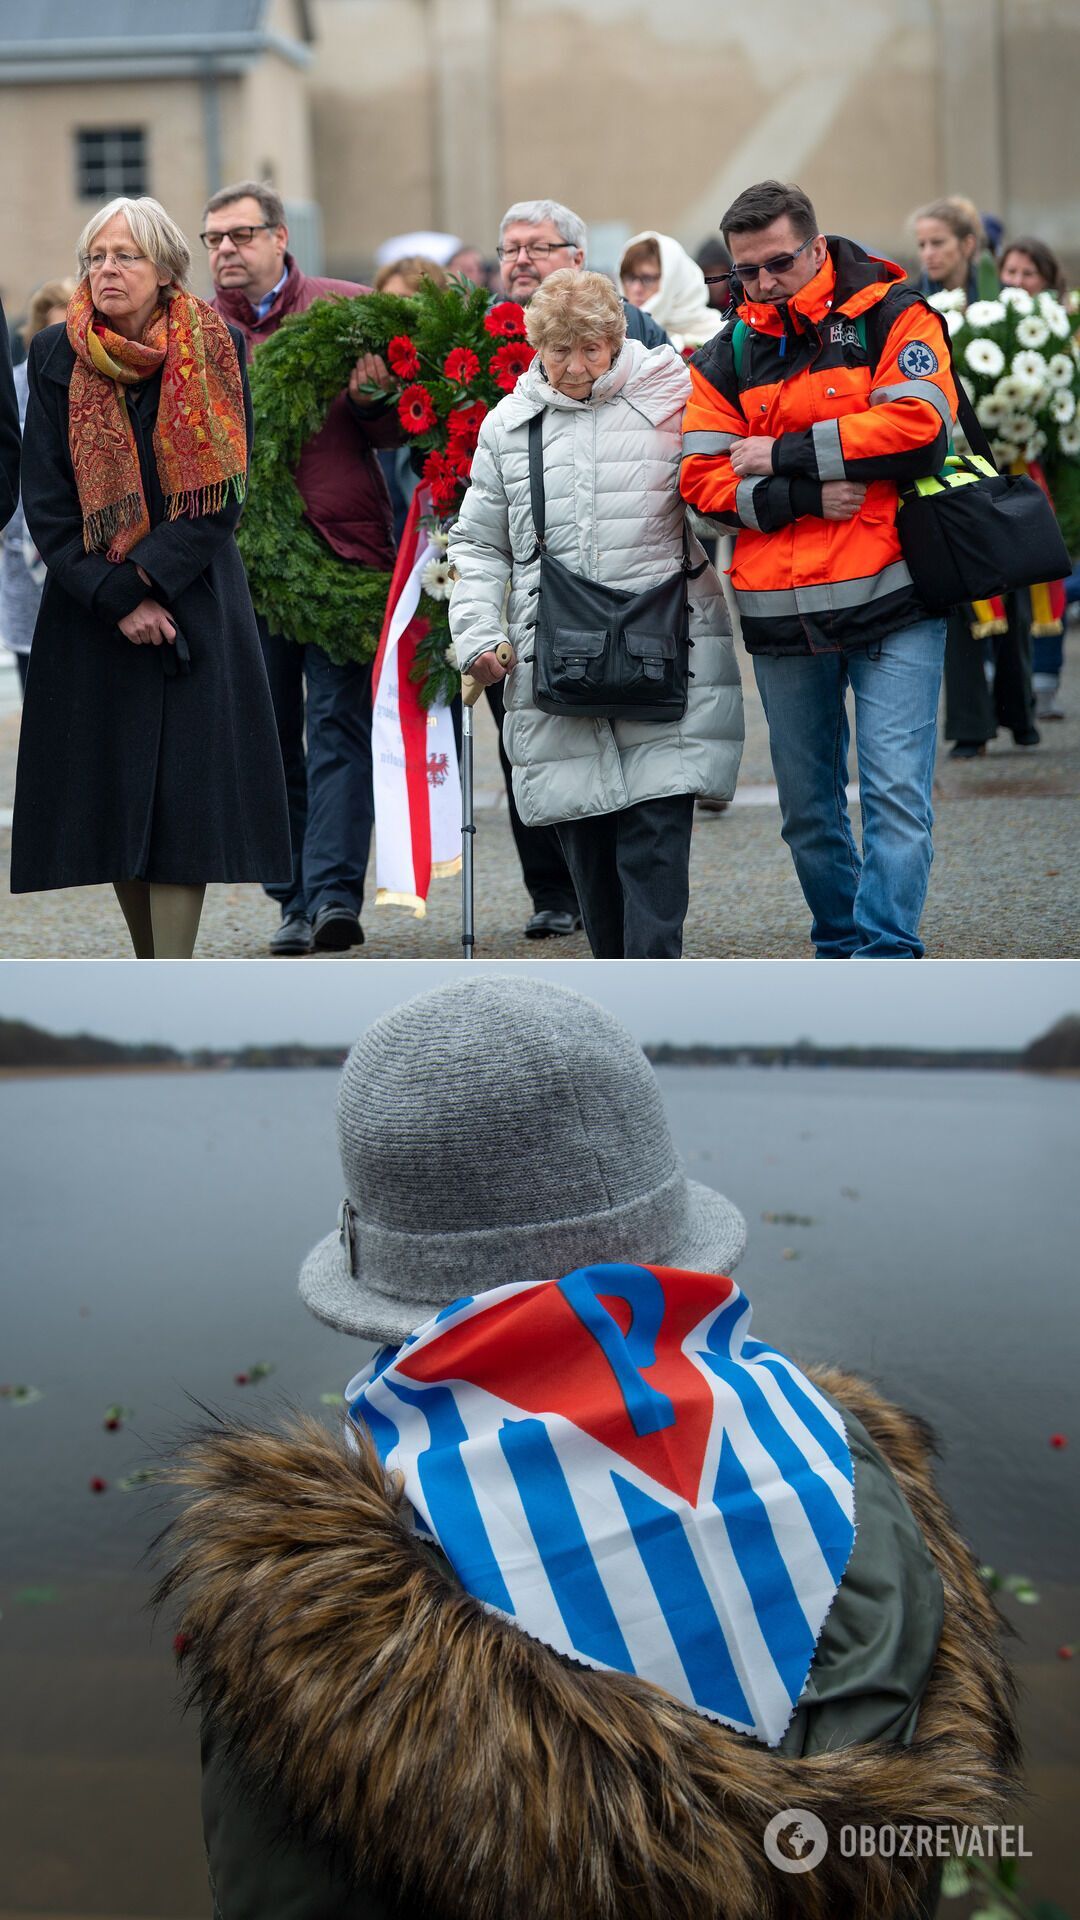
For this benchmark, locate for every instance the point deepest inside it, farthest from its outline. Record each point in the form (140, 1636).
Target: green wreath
(298, 583)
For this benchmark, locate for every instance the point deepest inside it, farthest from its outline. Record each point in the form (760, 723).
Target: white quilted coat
(614, 514)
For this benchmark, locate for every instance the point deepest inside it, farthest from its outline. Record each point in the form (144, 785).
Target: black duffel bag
(603, 653)
(972, 532)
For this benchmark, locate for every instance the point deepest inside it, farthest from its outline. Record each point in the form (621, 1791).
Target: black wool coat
(131, 768)
(9, 430)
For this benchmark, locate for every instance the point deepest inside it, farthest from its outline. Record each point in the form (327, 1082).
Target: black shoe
(337, 927)
(967, 750)
(293, 935)
(1030, 737)
(551, 920)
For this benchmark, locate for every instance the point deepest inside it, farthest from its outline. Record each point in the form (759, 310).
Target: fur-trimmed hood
(444, 1753)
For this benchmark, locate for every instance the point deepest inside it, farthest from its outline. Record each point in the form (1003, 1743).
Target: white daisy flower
(1031, 366)
(1063, 406)
(1011, 391)
(1032, 331)
(991, 411)
(1055, 316)
(1018, 427)
(949, 300)
(985, 313)
(954, 318)
(1017, 299)
(1036, 445)
(984, 356)
(1005, 452)
(1069, 439)
(1060, 369)
(437, 580)
(440, 539)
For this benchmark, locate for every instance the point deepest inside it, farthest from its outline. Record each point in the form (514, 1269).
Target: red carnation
(506, 321)
(97, 1485)
(509, 363)
(402, 357)
(461, 366)
(416, 410)
(240, 1379)
(463, 425)
(1058, 1441)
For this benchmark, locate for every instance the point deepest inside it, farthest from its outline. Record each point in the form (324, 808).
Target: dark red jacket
(339, 478)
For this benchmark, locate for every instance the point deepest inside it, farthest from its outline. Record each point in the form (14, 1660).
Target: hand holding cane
(470, 693)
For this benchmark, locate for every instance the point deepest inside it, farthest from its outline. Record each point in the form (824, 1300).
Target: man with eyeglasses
(10, 438)
(830, 389)
(331, 808)
(536, 238)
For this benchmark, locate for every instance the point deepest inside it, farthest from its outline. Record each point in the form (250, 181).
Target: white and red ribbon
(413, 753)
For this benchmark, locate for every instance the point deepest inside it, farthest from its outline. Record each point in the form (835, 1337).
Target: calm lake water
(153, 1228)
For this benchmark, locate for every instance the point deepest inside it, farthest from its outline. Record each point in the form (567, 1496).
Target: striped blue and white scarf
(612, 1463)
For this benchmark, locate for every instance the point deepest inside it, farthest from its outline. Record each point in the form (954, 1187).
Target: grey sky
(229, 1003)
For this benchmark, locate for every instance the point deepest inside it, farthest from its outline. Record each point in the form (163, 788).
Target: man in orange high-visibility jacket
(833, 388)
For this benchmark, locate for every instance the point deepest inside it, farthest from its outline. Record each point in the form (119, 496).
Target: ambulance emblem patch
(917, 360)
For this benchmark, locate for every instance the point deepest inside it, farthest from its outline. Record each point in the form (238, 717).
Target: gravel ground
(1006, 879)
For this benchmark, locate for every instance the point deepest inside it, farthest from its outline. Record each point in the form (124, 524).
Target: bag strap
(536, 477)
(965, 412)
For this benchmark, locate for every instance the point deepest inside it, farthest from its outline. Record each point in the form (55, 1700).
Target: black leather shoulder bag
(601, 652)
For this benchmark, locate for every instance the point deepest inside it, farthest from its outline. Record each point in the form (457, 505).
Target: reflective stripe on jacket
(873, 404)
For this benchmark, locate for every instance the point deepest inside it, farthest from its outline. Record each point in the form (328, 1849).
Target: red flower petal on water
(98, 1485)
(1058, 1440)
(1066, 1653)
(506, 321)
(181, 1643)
(240, 1379)
(416, 409)
(402, 357)
(112, 1425)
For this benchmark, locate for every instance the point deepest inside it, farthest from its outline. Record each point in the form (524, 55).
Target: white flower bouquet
(1021, 368)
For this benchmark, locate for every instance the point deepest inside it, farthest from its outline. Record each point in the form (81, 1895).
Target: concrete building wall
(430, 113)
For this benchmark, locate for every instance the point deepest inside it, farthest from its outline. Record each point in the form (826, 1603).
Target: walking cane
(470, 693)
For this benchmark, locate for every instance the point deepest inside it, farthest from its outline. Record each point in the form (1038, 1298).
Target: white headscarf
(681, 302)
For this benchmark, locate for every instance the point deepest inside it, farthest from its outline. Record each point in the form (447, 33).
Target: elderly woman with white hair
(148, 756)
(620, 791)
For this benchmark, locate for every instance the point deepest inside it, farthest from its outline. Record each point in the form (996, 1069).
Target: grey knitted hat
(501, 1129)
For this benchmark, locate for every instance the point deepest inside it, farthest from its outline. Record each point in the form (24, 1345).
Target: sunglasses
(780, 263)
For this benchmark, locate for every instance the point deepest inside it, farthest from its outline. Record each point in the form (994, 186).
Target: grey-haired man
(538, 237)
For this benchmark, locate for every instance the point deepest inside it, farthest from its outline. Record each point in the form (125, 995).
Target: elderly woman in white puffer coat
(619, 792)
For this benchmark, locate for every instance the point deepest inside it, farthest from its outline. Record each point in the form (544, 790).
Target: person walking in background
(592, 1588)
(659, 277)
(952, 249)
(951, 243)
(22, 570)
(331, 806)
(148, 755)
(9, 429)
(1030, 264)
(618, 793)
(834, 386)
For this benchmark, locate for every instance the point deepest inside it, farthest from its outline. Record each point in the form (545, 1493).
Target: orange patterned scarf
(200, 438)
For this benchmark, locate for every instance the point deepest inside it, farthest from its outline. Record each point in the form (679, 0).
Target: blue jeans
(331, 805)
(864, 906)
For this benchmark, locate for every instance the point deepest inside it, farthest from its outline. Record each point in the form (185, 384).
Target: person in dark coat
(323, 706)
(9, 429)
(148, 754)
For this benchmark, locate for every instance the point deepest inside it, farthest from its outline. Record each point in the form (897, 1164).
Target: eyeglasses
(536, 250)
(780, 263)
(240, 236)
(641, 279)
(125, 261)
